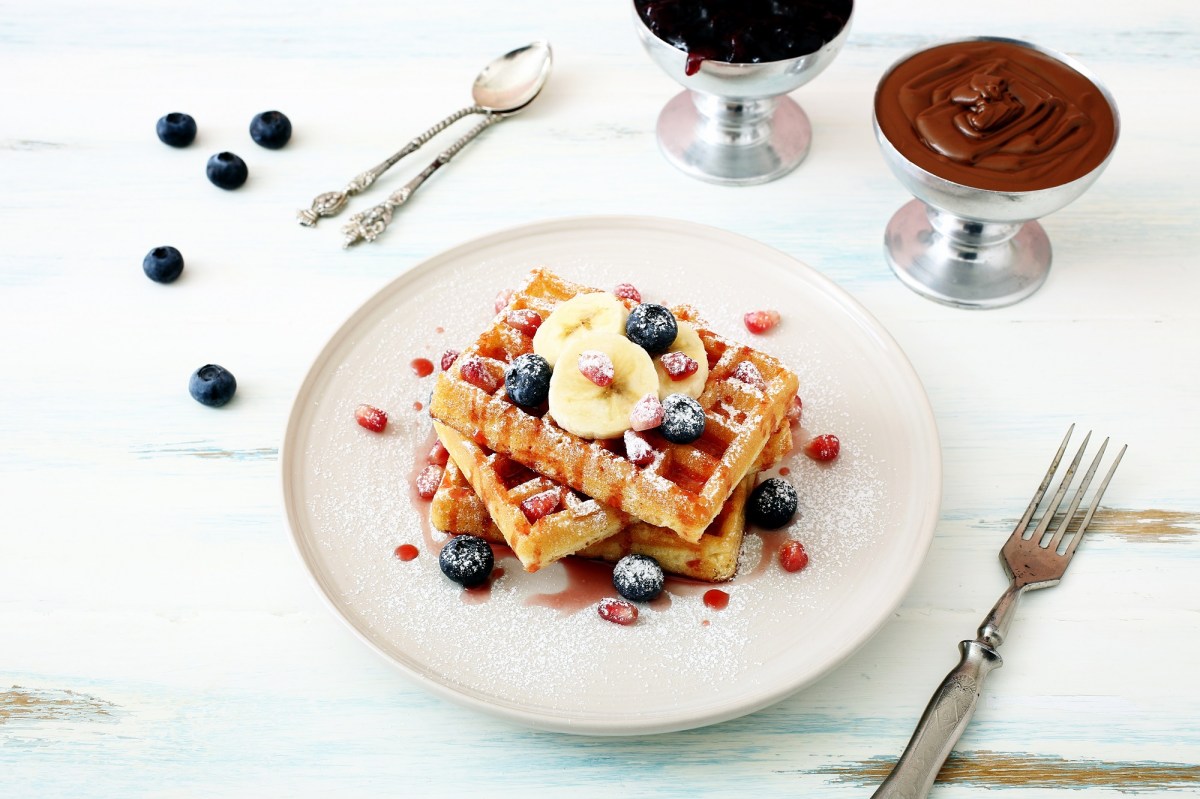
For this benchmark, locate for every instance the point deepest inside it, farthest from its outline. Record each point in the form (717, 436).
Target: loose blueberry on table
(638, 578)
(467, 560)
(163, 264)
(772, 503)
(176, 129)
(212, 385)
(271, 129)
(227, 171)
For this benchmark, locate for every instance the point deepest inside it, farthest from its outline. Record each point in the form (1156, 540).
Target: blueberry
(212, 385)
(527, 380)
(162, 264)
(772, 503)
(227, 171)
(683, 419)
(176, 129)
(638, 578)
(651, 327)
(271, 129)
(467, 560)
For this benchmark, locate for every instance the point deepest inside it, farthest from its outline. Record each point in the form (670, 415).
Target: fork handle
(941, 725)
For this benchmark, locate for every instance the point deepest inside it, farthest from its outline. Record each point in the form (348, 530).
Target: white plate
(866, 520)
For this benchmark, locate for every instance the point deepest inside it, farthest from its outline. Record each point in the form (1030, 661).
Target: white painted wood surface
(157, 636)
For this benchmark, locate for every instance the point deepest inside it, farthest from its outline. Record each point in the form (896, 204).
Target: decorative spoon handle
(332, 202)
(367, 225)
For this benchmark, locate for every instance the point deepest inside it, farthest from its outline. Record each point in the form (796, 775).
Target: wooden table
(158, 636)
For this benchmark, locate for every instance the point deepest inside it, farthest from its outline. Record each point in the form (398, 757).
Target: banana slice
(580, 406)
(688, 342)
(599, 311)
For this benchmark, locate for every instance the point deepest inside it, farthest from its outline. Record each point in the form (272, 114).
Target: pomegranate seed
(476, 371)
(792, 556)
(502, 299)
(793, 411)
(597, 367)
(761, 321)
(638, 449)
(748, 373)
(524, 320)
(543, 504)
(618, 611)
(371, 418)
(678, 366)
(448, 359)
(428, 481)
(646, 413)
(627, 291)
(823, 448)
(438, 455)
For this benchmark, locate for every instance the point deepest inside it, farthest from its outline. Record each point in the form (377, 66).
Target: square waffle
(682, 490)
(459, 507)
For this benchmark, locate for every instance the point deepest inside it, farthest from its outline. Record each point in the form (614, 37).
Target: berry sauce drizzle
(422, 367)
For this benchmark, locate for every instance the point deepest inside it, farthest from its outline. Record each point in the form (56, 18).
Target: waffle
(458, 507)
(686, 487)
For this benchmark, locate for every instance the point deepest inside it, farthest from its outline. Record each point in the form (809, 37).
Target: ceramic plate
(531, 649)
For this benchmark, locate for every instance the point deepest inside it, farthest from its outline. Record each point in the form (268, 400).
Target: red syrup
(772, 540)
(418, 406)
(407, 552)
(783, 471)
(422, 367)
(588, 582)
(716, 599)
(482, 593)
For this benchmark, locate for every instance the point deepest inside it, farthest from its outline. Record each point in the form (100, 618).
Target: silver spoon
(505, 86)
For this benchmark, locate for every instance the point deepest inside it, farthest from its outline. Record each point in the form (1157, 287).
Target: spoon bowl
(513, 80)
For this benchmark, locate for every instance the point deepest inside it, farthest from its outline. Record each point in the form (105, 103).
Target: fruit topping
(212, 385)
(542, 504)
(523, 320)
(438, 455)
(580, 406)
(448, 359)
(795, 407)
(683, 419)
(407, 552)
(597, 367)
(467, 560)
(638, 449)
(647, 413)
(823, 448)
(678, 366)
(502, 299)
(176, 129)
(597, 312)
(618, 611)
(428, 481)
(163, 264)
(652, 327)
(772, 503)
(227, 171)
(370, 417)
(627, 291)
(761, 321)
(478, 372)
(527, 380)
(792, 556)
(638, 578)
(271, 129)
(748, 373)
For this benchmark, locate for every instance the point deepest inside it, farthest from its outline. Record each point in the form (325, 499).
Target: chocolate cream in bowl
(995, 115)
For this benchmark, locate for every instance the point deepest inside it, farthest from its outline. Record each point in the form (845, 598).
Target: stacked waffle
(517, 474)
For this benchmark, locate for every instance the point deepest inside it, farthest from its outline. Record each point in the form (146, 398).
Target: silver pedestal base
(966, 263)
(736, 143)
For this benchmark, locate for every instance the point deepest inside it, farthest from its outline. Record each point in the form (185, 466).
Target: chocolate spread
(995, 115)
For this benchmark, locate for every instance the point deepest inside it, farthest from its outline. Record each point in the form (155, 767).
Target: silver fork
(1032, 560)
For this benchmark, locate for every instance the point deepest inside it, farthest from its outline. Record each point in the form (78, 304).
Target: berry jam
(716, 599)
(422, 367)
(744, 31)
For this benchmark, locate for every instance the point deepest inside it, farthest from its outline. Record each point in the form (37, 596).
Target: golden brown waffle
(685, 488)
(459, 507)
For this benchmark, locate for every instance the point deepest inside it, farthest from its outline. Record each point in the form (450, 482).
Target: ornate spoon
(505, 86)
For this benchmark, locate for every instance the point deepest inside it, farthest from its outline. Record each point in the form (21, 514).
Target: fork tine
(1019, 530)
(1063, 485)
(1083, 486)
(1087, 518)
